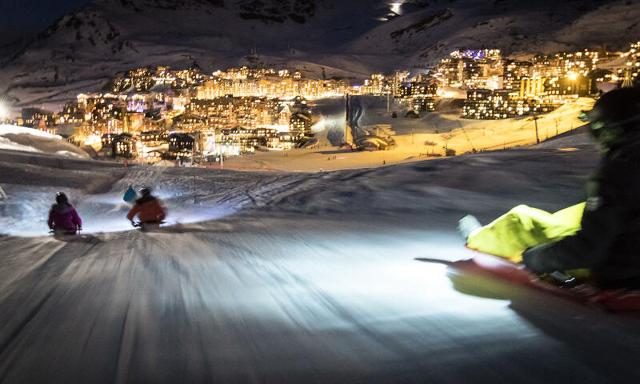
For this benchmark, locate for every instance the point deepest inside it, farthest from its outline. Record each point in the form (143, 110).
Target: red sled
(618, 300)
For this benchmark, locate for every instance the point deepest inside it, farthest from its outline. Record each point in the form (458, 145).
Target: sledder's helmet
(145, 191)
(61, 198)
(616, 116)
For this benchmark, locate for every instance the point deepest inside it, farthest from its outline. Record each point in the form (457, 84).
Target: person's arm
(604, 218)
(586, 249)
(76, 219)
(50, 220)
(162, 213)
(133, 212)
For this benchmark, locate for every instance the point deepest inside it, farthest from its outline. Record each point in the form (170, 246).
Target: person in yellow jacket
(600, 235)
(521, 228)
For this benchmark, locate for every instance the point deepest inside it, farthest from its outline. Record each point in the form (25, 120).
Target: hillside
(349, 39)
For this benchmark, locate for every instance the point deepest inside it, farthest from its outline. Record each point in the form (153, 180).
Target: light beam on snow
(374, 275)
(25, 213)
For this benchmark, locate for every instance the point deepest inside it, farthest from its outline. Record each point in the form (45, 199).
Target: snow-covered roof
(16, 138)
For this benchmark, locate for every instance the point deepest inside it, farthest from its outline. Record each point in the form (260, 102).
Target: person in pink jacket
(63, 217)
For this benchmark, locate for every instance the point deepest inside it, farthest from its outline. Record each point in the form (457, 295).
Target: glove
(533, 259)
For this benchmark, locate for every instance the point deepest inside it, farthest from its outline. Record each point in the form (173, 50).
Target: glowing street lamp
(396, 7)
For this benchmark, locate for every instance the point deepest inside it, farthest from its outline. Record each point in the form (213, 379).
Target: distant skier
(130, 195)
(148, 209)
(600, 235)
(63, 217)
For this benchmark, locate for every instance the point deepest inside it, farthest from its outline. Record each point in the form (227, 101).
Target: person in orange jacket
(148, 209)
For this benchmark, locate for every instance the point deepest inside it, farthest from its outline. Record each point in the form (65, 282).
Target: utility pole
(388, 102)
(348, 133)
(535, 122)
(195, 195)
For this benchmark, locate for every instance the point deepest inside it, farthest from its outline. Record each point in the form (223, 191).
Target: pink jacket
(64, 217)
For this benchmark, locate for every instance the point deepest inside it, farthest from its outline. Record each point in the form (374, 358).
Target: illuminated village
(154, 114)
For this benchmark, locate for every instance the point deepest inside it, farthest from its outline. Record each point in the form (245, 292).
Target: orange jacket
(148, 210)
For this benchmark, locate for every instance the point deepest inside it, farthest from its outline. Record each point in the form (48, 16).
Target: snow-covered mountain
(348, 38)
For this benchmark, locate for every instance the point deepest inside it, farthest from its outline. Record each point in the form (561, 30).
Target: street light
(535, 122)
(573, 76)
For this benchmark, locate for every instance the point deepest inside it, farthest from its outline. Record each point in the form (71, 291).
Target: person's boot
(467, 225)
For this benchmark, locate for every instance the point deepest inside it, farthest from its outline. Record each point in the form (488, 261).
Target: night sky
(25, 17)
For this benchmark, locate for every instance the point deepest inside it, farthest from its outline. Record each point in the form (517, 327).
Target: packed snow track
(290, 278)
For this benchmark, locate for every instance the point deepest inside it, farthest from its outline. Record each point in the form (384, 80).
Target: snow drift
(17, 138)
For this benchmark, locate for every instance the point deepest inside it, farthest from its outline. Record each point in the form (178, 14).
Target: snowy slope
(308, 278)
(410, 190)
(415, 138)
(350, 38)
(32, 140)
